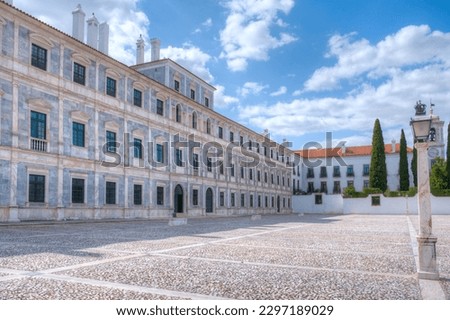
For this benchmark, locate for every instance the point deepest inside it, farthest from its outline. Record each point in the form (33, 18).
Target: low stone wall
(336, 204)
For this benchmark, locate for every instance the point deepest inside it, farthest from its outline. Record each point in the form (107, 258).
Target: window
(365, 170)
(38, 57)
(195, 197)
(233, 200)
(336, 171)
(251, 201)
(137, 148)
(209, 164)
(242, 173)
(110, 192)
(208, 126)
(78, 134)
(221, 167)
(111, 141)
(160, 196)
(232, 170)
(376, 200)
(207, 102)
(178, 113)
(310, 173)
(231, 136)
(310, 187)
(159, 153)
(137, 195)
(111, 87)
(38, 125)
(222, 199)
(337, 187)
(265, 177)
(259, 175)
(318, 199)
(266, 202)
(259, 201)
(176, 85)
(36, 188)
(242, 200)
(250, 174)
(159, 107)
(195, 161)
(194, 120)
(323, 172)
(366, 184)
(192, 94)
(137, 98)
(77, 190)
(323, 187)
(350, 172)
(241, 140)
(220, 132)
(79, 73)
(350, 183)
(179, 157)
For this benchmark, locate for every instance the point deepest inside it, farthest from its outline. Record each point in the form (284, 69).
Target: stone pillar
(426, 241)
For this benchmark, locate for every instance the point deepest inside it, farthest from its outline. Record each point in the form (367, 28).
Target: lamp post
(421, 125)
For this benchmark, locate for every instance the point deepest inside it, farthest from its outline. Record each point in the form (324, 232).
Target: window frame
(137, 194)
(110, 195)
(160, 195)
(137, 98)
(81, 192)
(79, 77)
(111, 87)
(78, 141)
(38, 187)
(39, 56)
(160, 107)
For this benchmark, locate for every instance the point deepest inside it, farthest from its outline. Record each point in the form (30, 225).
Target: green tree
(448, 156)
(378, 171)
(403, 165)
(414, 166)
(438, 177)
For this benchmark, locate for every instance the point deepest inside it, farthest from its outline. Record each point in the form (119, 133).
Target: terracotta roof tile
(349, 151)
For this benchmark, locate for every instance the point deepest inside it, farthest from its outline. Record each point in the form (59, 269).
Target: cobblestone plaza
(276, 257)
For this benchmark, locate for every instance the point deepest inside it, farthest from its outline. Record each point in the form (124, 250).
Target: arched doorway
(178, 199)
(278, 204)
(209, 201)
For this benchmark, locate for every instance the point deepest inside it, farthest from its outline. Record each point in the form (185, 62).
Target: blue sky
(298, 68)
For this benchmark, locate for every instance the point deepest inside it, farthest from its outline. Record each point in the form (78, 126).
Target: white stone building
(83, 136)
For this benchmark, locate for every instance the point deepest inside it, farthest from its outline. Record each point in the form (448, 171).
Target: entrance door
(209, 200)
(178, 199)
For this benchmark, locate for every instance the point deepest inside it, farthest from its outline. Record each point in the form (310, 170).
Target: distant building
(331, 170)
(83, 136)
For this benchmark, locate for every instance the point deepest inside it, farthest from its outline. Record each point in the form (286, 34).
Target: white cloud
(279, 92)
(409, 47)
(190, 57)
(207, 23)
(252, 88)
(126, 22)
(247, 34)
(221, 100)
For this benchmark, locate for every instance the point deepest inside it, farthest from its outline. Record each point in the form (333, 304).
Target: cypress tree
(414, 166)
(403, 165)
(378, 171)
(448, 156)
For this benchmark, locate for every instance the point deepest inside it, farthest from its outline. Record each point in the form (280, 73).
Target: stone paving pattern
(277, 257)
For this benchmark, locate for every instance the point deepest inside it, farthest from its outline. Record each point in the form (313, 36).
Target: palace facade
(83, 136)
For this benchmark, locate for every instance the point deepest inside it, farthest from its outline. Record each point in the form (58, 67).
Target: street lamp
(421, 126)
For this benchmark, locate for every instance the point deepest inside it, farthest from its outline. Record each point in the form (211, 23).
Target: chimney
(393, 146)
(103, 43)
(156, 45)
(92, 32)
(78, 23)
(140, 50)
